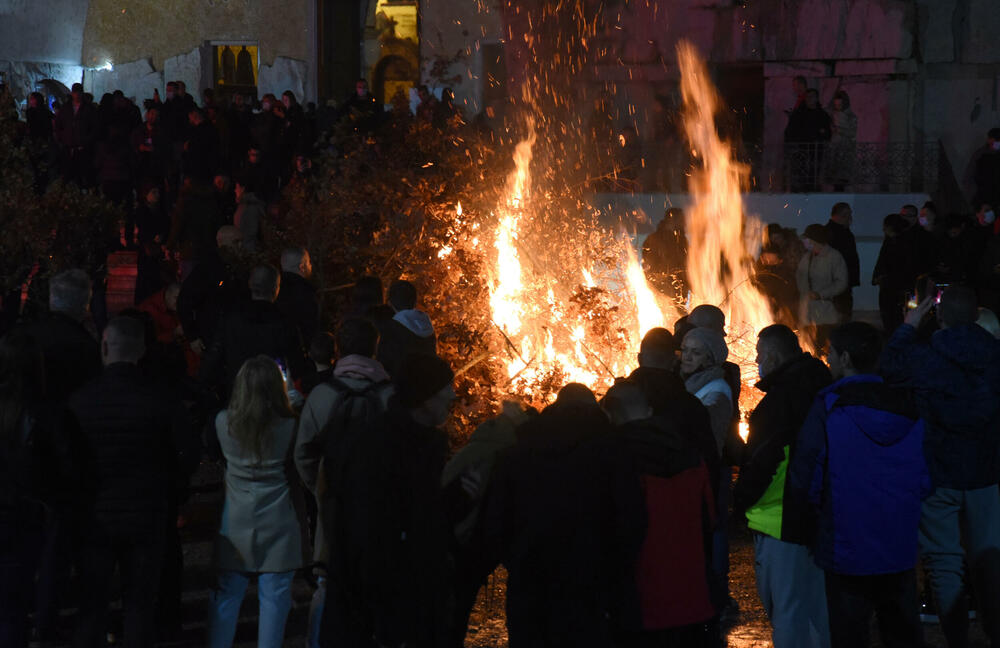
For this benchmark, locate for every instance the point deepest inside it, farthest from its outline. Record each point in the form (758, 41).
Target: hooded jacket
(409, 331)
(859, 461)
(956, 381)
(774, 425)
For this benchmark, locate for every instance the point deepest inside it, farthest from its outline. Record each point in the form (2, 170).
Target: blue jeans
(274, 590)
(793, 591)
(950, 520)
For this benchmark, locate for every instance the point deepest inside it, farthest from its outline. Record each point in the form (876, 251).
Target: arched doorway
(393, 74)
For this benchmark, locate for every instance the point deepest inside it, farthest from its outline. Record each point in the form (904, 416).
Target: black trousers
(135, 545)
(892, 598)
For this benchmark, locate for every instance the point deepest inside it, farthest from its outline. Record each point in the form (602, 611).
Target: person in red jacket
(678, 596)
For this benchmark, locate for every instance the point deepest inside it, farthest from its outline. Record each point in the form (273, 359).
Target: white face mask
(808, 243)
(987, 218)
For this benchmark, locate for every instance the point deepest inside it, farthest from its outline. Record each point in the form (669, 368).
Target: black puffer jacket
(137, 444)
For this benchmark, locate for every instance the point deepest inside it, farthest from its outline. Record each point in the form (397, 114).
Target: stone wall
(46, 31)
(130, 30)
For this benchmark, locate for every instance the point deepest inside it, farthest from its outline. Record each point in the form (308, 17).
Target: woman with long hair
(261, 531)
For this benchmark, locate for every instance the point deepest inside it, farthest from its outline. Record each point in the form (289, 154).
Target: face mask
(987, 218)
(923, 221)
(266, 106)
(809, 245)
(170, 94)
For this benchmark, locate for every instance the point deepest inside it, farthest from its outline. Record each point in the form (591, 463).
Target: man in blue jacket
(956, 380)
(860, 463)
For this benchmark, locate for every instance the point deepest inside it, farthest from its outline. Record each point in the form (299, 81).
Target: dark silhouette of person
(244, 68)
(228, 65)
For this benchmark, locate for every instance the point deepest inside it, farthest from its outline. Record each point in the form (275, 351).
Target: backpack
(351, 420)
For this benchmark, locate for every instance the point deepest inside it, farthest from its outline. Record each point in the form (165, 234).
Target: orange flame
(530, 305)
(722, 239)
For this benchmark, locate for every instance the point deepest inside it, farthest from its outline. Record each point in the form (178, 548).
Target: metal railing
(862, 167)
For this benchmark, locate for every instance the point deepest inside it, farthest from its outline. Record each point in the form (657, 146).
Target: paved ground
(486, 628)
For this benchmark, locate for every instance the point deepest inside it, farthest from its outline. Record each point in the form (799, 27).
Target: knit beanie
(713, 341)
(419, 377)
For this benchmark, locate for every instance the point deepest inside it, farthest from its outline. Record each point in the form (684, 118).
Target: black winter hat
(817, 233)
(419, 377)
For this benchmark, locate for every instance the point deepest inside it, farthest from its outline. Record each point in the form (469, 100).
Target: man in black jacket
(255, 328)
(564, 515)
(137, 441)
(671, 402)
(790, 585)
(297, 299)
(72, 355)
(842, 240)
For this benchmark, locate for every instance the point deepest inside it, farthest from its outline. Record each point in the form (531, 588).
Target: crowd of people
(610, 512)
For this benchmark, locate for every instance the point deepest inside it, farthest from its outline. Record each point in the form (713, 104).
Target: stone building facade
(916, 70)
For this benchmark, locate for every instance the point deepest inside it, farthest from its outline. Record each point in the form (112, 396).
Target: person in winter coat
(388, 547)
(891, 273)
(297, 299)
(674, 579)
(475, 461)
(822, 279)
(356, 374)
(250, 214)
(355, 369)
(194, 223)
(39, 479)
(252, 329)
(860, 462)
(841, 151)
(664, 256)
(563, 514)
(956, 382)
(789, 583)
(215, 287)
(72, 355)
(842, 240)
(261, 532)
(711, 380)
(137, 442)
(702, 353)
(409, 331)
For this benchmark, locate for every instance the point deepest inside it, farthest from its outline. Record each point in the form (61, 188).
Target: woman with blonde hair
(261, 531)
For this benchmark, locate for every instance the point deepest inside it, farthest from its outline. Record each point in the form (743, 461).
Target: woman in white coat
(821, 276)
(261, 532)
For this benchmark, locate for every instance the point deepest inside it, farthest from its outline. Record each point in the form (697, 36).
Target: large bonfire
(568, 297)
